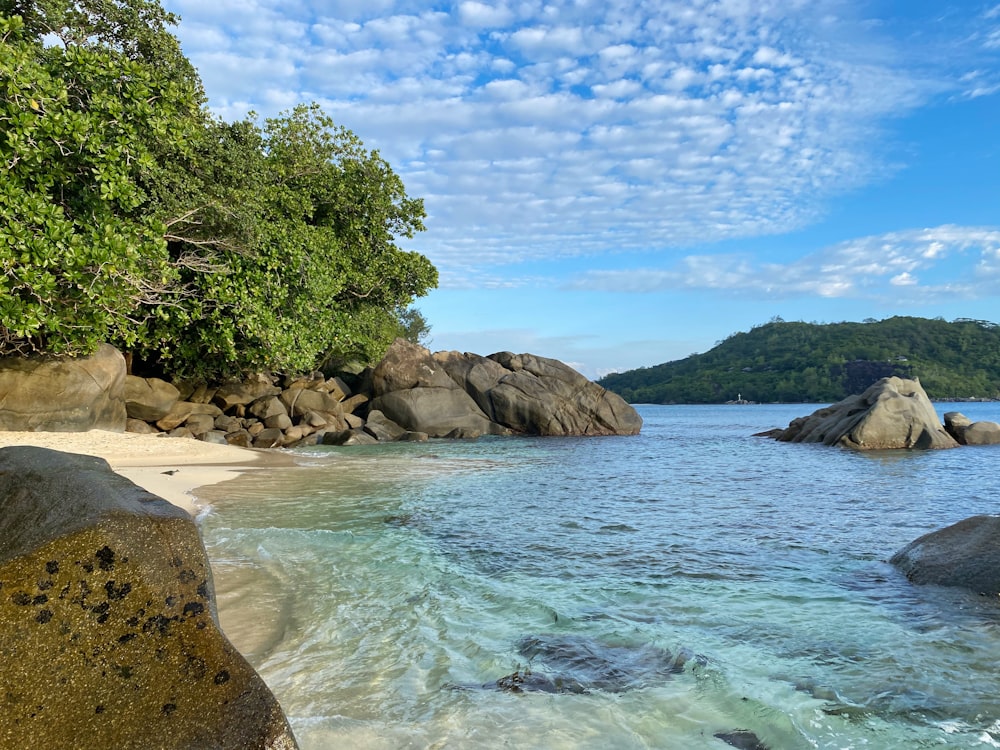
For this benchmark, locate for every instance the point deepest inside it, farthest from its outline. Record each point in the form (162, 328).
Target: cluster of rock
(268, 412)
(967, 432)
(410, 395)
(449, 394)
(108, 622)
(893, 413)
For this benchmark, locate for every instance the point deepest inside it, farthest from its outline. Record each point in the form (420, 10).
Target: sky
(621, 183)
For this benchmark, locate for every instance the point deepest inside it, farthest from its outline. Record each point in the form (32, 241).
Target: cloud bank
(901, 267)
(548, 138)
(576, 127)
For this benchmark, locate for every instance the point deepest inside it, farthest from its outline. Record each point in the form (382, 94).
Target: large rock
(982, 433)
(107, 619)
(380, 427)
(63, 394)
(543, 396)
(301, 401)
(539, 396)
(415, 392)
(474, 374)
(893, 413)
(183, 410)
(966, 432)
(407, 366)
(149, 399)
(453, 394)
(241, 394)
(436, 411)
(955, 424)
(966, 555)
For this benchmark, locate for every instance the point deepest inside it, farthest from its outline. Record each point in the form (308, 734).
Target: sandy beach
(168, 467)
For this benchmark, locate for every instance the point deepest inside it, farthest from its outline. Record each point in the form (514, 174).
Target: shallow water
(690, 581)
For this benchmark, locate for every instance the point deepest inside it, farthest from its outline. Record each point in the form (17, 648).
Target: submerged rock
(893, 413)
(742, 740)
(965, 555)
(526, 681)
(107, 619)
(577, 664)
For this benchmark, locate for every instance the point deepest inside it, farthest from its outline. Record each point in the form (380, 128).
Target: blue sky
(620, 183)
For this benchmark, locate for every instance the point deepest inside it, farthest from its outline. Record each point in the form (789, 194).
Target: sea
(690, 587)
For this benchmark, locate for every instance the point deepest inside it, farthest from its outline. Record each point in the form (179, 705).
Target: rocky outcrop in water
(965, 555)
(504, 393)
(893, 413)
(63, 394)
(107, 619)
(982, 433)
(412, 390)
(533, 395)
(967, 432)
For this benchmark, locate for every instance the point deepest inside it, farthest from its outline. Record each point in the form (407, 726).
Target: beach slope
(168, 467)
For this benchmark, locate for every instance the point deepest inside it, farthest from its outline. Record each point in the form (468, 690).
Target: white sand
(168, 467)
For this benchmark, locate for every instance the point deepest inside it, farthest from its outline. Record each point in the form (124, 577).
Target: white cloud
(576, 128)
(878, 267)
(481, 15)
(770, 57)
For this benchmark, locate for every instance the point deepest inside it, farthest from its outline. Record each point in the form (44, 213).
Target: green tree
(207, 248)
(288, 259)
(413, 326)
(787, 361)
(80, 258)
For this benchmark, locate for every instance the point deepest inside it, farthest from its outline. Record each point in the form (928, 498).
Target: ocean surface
(644, 592)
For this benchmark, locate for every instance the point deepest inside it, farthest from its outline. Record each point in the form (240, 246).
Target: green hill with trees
(821, 363)
(130, 214)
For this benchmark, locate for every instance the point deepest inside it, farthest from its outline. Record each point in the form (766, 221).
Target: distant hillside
(813, 363)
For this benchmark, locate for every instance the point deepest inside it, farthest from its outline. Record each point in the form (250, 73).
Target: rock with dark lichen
(107, 619)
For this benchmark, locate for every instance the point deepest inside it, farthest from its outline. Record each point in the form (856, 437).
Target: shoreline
(171, 468)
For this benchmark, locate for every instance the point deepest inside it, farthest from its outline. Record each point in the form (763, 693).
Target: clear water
(708, 581)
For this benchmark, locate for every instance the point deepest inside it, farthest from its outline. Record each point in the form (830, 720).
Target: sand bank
(168, 467)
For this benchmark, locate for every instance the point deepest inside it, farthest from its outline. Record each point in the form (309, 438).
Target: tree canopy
(208, 248)
(796, 362)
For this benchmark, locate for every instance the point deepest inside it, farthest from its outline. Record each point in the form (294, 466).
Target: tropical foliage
(813, 363)
(132, 215)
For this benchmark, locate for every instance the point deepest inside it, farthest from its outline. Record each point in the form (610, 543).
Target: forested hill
(820, 363)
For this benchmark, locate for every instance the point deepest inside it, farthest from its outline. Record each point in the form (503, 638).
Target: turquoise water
(687, 582)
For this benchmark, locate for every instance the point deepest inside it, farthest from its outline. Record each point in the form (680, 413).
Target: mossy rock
(107, 619)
